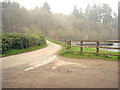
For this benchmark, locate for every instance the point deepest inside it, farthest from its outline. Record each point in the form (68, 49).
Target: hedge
(20, 40)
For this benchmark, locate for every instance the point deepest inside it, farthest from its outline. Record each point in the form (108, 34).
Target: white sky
(66, 6)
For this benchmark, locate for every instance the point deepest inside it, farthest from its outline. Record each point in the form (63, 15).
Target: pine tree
(46, 7)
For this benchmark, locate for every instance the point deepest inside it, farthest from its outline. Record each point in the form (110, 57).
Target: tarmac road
(43, 68)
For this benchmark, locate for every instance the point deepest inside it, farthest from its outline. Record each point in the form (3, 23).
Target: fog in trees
(97, 22)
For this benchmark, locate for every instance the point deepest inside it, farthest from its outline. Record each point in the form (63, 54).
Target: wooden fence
(97, 46)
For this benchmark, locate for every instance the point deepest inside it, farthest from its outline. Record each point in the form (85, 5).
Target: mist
(96, 22)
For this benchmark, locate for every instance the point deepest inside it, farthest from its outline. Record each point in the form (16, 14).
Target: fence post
(69, 44)
(65, 44)
(81, 47)
(97, 48)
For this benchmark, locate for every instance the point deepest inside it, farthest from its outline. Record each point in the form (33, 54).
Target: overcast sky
(66, 6)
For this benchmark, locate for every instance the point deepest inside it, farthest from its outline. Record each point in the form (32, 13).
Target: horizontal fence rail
(96, 45)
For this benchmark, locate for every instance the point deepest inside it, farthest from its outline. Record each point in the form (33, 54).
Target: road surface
(43, 68)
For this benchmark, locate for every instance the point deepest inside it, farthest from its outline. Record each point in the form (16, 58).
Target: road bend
(43, 68)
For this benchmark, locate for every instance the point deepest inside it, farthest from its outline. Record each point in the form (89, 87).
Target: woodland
(97, 22)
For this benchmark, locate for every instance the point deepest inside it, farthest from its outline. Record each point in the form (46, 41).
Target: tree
(119, 13)
(88, 11)
(94, 13)
(106, 14)
(46, 7)
(75, 12)
(115, 21)
(81, 14)
(14, 18)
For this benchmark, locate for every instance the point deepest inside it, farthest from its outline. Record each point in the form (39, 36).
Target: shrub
(20, 41)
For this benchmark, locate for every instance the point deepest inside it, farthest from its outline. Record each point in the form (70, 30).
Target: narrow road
(32, 58)
(44, 69)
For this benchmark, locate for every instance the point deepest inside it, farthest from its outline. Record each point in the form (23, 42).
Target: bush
(20, 41)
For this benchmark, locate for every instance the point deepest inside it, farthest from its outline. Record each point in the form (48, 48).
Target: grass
(85, 55)
(17, 51)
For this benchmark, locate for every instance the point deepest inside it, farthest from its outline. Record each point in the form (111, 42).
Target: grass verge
(17, 51)
(85, 55)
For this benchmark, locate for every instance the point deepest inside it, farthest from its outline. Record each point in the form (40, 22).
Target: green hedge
(20, 41)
